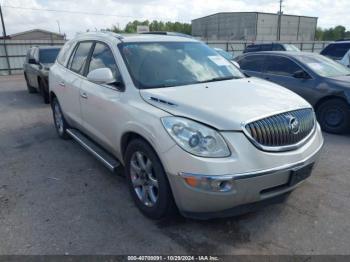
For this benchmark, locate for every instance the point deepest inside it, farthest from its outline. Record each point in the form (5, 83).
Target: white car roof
(134, 37)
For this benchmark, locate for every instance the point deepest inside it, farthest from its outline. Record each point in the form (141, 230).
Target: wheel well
(127, 138)
(327, 98)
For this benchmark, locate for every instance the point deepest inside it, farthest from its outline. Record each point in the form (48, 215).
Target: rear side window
(63, 54)
(278, 47)
(80, 57)
(48, 56)
(103, 57)
(266, 47)
(279, 65)
(336, 51)
(252, 63)
(252, 48)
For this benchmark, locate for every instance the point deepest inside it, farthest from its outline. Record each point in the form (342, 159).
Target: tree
(155, 25)
(331, 34)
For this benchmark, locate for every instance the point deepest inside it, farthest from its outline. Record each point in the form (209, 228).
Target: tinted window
(48, 56)
(63, 54)
(252, 48)
(336, 51)
(103, 57)
(252, 63)
(279, 65)
(278, 47)
(165, 64)
(266, 47)
(80, 57)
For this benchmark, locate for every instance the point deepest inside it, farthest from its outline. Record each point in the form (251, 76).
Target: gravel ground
(57, 199)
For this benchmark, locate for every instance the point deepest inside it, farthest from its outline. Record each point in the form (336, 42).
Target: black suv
(36, 69)
(270, 47)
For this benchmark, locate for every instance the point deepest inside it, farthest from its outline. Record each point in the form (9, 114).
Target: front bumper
(255, 175)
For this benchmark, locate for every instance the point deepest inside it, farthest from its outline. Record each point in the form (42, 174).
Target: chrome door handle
(84, 95)
(62, 84)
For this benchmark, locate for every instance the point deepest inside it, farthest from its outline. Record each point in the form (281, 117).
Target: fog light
(208, 183)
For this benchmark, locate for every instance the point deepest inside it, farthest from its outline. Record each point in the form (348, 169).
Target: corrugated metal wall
(225, 26)
(254, 26)
(16, 51)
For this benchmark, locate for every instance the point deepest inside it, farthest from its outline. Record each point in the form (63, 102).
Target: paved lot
(55, 198)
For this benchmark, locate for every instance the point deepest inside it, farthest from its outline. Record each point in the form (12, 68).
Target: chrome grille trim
(273, 133)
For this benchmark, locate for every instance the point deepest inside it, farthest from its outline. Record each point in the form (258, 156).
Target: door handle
(62, 84)
(84, 95)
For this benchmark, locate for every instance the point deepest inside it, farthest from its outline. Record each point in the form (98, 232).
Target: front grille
(282, 131)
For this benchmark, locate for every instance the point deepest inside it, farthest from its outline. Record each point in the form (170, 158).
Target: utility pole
(279, 21)
(59, 27)
(5, 35)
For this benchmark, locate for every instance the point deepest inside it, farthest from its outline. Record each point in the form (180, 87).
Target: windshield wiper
(215, 79)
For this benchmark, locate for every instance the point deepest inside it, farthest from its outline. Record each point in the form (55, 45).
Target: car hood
(225, 105)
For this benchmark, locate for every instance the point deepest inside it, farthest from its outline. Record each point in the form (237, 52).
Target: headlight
(196, 138)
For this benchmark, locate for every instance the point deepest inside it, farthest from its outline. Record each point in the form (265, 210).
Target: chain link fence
(13, 52)
(237, 47)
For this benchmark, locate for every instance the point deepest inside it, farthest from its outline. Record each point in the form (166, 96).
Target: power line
(72, 12)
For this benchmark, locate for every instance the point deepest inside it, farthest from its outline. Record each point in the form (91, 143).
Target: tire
(149, 186)
(60, 123)
(30, 89)
(334, 116)
(44, 91)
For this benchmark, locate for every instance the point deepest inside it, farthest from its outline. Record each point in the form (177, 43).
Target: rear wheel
(147, 181)
(44, 91)
(334, 116)
(60, 123)
(31, 89)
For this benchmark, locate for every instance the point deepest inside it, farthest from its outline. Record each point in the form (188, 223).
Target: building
(37, 34)
(254, 26)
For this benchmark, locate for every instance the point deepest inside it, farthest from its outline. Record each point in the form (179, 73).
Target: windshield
(336, 51)
(166, 64)
(290, 47)
(48, 56)
(324, 66)
(224, 54)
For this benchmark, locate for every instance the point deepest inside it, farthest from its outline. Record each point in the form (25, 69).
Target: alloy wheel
(143, 179)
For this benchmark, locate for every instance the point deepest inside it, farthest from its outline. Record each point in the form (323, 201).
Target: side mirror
(101, 76)
(32, 61)
(301, 74)
(235, 64)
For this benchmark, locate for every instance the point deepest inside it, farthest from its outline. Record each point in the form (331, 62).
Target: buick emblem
(293, 125)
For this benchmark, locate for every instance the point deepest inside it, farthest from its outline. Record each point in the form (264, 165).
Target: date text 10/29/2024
(173, 258)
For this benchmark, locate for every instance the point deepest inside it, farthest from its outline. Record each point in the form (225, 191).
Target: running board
(107, 159)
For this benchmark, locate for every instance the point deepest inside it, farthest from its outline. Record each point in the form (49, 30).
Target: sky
(119, 12)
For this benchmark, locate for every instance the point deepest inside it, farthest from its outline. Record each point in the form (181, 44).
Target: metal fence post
(7, 57)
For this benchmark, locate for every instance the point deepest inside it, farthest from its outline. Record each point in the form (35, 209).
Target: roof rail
(167, 33)
(119, 36)
(343, 39)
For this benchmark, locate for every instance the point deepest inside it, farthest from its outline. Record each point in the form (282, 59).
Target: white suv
(193, 132)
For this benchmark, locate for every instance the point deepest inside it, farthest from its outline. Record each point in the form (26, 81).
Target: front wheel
(60, 123)
(147, 181)
(334, 116)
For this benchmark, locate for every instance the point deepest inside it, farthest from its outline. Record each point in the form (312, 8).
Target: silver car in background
(193, 133)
